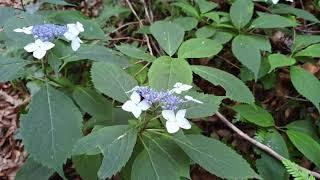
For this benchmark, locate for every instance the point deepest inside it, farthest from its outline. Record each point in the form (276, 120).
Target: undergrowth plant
(129, 109)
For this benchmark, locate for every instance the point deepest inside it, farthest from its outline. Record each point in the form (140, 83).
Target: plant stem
(258, 144)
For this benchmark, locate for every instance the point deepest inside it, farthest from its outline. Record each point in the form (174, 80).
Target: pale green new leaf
(166, 71)
(32, 170)
(135, 52)
(112, 81)
(255, 114)
(272, 21)
(234, 87)
(311, 51)
(114, 142)
(168, 35)
(306, 84)
(11, 68)
(216, 157)
(279, 60)
(241, 12)
(199, 48)
(306, 145)
(51, 127)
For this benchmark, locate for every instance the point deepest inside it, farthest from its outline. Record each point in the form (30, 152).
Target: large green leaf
(234, 87)
(166, 71)
(134, 52)
(51, 127)
(286, 9)
(199, 48)
(187, 23)
(306, 145)
(304, 126)
(209, 106)
(5, 14)
(279, 60)
(255, 114)
(311, 51)
(32, 170)
(87, 166)
(112, 81)
(241, 13)
(92, 102)
(168, 35)
(116, 144)
(11, 68)
(272, 21)
(306, 84)
(216, 157)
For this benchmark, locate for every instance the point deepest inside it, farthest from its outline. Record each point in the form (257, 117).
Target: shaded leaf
(32, 170)
(87, 166)
(134, 52)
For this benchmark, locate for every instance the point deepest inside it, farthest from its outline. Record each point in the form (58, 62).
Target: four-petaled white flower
(26, 30)
(175, 121)
(72, 35)
(39, 48)
(189, 98)
(276, 1)
(179, 88)
(135, 105)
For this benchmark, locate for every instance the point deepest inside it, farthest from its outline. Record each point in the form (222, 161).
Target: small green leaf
(234, 87)
(57, 2)
(11, 68)
(303, 41)
(168, 35)
(279, 60)
(53, 122)
(306, 84)
(206, 6)
(222, 37)
(213, 16)
(272, 21)
(205, 32)
(304, 126)
(87, 166)
(209, 106)
(166, 71)
(215, 157)
(135, 53)
(286, 9)
(187, 8)
(306, 145)
(311, 51)
(187, 23)
(199, 48)
(114, 142)
(112, 81)
(255, 114)
(241, 13)
(32, 170)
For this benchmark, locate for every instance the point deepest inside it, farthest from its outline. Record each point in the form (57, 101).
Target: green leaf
(302, 41)
(112, 81)
(222, 37)
(32, 170)
(234, 87)
(206, 6)
(11, 68)
(187, 8)
(306, 84)
(241, 13)
(110, 11)
(5, 14)
(199, 48)
(285, 9)
(216, 157)
(87, 166)
(187, 23)
(135, 53)
(272, 21)
(279, 60)
(311, 51)
(92, 102)
(247, 50)
(255, 114)
(53, 122)
(213, 16)
(209, 107)
(168, 35)
(306, 145)
(116, 144)
(98, 53)
(57, 2)
(304, 126)
(166, 71)
(205, 32)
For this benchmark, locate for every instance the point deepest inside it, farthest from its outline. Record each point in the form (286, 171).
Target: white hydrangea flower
(180, 87)
(72, 35)
(175, 121)
(26, 30)
(189, 98)
(135, 105)
(39, 48)
(276, 1)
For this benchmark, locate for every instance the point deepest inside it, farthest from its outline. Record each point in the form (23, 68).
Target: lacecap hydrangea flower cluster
(45, 33)
(142, 98)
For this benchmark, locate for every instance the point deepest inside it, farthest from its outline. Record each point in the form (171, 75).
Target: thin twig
(22, 5)
(146, 10)
(258, 144)
(228, 61)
